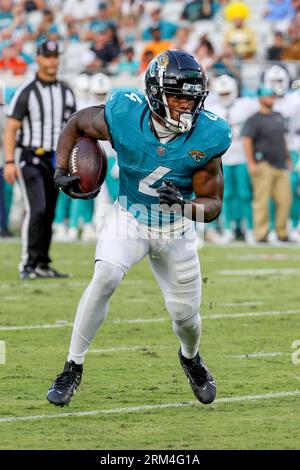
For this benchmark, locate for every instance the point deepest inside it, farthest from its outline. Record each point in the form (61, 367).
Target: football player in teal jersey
(169, 153)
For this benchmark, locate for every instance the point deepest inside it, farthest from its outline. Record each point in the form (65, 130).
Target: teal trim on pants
(237, 207)
(81, 210)
(8, 199)
(62, 211)
(295, 183)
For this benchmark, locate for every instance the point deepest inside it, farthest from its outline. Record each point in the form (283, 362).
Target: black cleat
(65, 384)
(28, 273)
(201, 381)
(44, 270)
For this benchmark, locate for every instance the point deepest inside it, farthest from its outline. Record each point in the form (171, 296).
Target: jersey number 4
(148, 181)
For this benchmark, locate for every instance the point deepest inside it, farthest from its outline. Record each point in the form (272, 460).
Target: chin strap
(183, 125)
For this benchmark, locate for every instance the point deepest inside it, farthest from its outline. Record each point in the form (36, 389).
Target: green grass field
(144, 369)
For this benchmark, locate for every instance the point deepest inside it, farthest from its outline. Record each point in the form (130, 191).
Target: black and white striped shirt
(44, 109)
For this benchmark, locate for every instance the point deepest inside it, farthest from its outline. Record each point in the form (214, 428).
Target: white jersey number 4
(148, 181)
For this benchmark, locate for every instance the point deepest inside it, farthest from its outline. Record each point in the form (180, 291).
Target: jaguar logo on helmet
(162, 63)
(197, 155)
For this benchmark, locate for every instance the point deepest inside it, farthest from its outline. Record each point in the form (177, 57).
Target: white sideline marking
(39, 284)
(240, 304)
(36, 284)
(217, 316)
(129, 348)
(11, 297)
(258, 272)
(140, 320)
(258, 355)
(264, 256)
(58, 324)
(133, 409)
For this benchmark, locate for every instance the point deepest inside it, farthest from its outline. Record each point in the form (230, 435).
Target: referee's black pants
(40, 196)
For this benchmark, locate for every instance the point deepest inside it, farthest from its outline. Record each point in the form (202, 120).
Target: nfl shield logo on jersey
(161, 151)
(197, 155)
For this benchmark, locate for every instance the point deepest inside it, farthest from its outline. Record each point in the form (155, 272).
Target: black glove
(170, 195)
(66, 183)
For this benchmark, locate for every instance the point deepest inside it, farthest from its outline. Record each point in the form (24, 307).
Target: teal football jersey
(145, 162)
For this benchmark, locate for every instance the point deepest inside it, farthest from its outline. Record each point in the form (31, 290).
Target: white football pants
(174, 261)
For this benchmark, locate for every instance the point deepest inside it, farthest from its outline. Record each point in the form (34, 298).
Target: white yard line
(259, 272)
(59, 324)
(240, 304)
(258, 355)
(129, 348)
(136, 409)
(264, 257)
(10, 298)
(217, 316)
(36, 284)
(51, 284)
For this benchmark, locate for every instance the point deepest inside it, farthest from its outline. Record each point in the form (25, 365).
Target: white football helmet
(277, 78)
(82, 85)
(100, 86)
(226, 89)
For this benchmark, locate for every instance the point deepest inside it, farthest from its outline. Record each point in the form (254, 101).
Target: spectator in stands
(128, 65)
(292, 49)
(12, 60)
(182, 40)
(277, 10)
(167, 30)
(228, 64)
(241, 39)
(205, 53)
(239, 36)
(275, 51)
(18, 43)
(157, 45)
(6, 18)
(296, 6)
(101, 20)
(147, 56)
(113, 40)
(19, 26)
(195, 10)
(129, 31)
(32, 5)
(268, 163)
(47, 29)
(101, 54)
(72, 31)
(80, 10)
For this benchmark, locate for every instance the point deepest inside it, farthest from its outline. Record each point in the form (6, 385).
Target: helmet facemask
(186, 84)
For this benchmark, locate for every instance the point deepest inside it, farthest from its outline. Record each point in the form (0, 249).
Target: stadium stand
(124, 23)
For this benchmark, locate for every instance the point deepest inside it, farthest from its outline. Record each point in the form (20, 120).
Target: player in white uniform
(288, 104)
(237, 209)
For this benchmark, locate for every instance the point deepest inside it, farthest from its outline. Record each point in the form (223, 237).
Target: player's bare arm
(87, 122)
(10, 170)
(208, 185)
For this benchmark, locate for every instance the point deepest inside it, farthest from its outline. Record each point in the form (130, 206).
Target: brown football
(88, 160)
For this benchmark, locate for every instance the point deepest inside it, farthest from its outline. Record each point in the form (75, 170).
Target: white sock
(188, 332)
(92, 308)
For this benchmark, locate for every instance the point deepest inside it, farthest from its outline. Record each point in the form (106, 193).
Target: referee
(36, 115)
